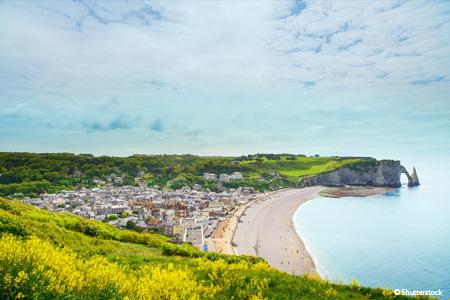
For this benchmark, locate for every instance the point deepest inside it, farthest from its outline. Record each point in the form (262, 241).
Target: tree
(130, 225)
(113, 217)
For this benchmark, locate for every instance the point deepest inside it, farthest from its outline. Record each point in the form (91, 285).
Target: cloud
(120, 122)
(295, 9)
(157, 125)
(219, 66)
(427, 80)
(194, 134)
(308, 84)
(147, 46)
(158, 84)
(349, 45)
(80, 13)
(298, 7)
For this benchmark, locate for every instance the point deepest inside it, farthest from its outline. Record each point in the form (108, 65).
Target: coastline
(266, 227)
(267, 230)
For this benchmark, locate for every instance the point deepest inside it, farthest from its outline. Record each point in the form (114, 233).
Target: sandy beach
(353, 191)
(266, 230)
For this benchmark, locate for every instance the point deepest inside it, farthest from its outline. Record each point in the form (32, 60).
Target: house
(141, 224)
(99, 181)
(248, 190)
(110, 209)
(236, 176)
(194, 235)
(202, 219)
(224, 178)
(188, 221)
(153, 222)
(210, 176)
(171, 228)
(118, 180)
(110, 178)
(114, 179)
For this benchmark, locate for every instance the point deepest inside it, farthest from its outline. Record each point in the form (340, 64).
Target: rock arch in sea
(413, 180)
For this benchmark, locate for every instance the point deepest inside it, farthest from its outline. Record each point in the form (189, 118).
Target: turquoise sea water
(399, 240)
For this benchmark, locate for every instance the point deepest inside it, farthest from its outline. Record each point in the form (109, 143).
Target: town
(187, 215)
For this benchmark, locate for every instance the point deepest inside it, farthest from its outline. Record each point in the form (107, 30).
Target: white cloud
(201, 66)
(193, 45)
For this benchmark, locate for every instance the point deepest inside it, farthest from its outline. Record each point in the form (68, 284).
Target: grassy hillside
(31, 174)
(300, 166)
(44, 255)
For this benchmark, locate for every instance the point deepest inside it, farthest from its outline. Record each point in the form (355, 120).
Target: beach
(266, 230)
(264, 227)
(353, 191)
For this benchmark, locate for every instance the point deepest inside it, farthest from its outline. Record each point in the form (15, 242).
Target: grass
(301, 166)
(46, 255)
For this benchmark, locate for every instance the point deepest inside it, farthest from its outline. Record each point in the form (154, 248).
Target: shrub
(87, 228)
(11, 224)
(184, 250)
(34, 269)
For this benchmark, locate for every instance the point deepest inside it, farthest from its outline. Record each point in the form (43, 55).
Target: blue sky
(232, 77)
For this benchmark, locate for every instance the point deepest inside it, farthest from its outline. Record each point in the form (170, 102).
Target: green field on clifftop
(300, 166)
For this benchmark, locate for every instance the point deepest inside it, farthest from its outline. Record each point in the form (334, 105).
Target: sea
(398, 240)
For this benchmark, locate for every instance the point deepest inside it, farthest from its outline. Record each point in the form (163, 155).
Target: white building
(236, 176)
(110, 209)
(224, 177)
(210, 176)
(118, 180)
(194, 235)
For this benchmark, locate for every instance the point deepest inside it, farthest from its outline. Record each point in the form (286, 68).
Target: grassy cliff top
(46, 255)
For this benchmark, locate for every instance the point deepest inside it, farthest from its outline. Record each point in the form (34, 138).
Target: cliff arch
(365, 173)
(413, 180)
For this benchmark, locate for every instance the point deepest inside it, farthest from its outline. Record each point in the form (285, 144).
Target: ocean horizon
(396, 240)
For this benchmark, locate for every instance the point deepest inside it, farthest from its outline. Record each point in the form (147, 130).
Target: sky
(226, 78)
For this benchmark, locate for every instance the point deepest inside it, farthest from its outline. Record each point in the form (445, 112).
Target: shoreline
(266, 227)
(267, 230)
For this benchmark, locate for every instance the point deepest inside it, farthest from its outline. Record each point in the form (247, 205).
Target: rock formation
(414, 179)
(370, 172)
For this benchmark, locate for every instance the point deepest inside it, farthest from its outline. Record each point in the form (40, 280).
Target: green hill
(45, 255)
(31, 173)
